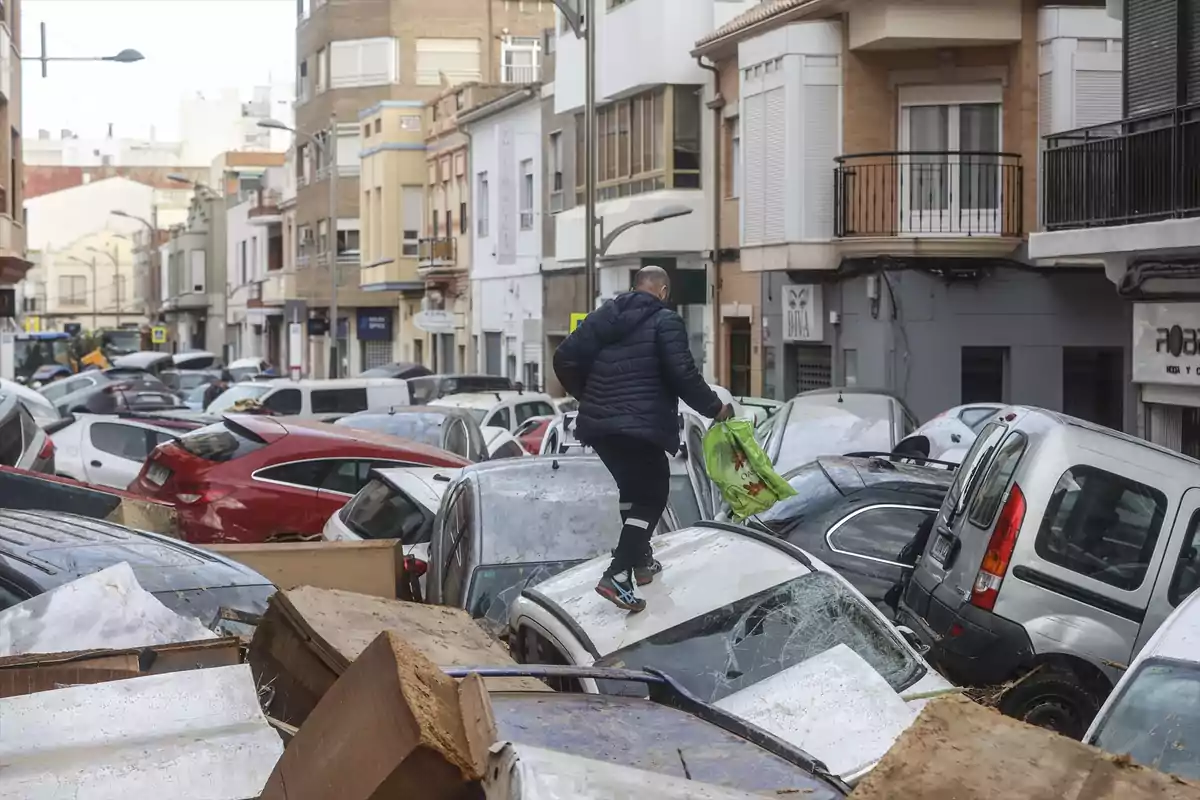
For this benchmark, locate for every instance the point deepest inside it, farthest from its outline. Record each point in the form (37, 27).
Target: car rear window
(339, 401)
(381, 512)
(977, 458)
(1102, 525)
(991, 490)
(223, 441)
(11, 441)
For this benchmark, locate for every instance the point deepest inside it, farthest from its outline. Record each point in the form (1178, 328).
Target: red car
(531, 432)
(255, 479)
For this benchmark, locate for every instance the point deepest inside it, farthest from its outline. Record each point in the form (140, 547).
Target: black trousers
(643, 476)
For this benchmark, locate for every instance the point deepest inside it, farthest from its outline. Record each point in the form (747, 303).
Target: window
(462, 217)
(72, 290)
(537, 409)
(12, 442)
(555, 171)
(500, 418)
(284, 401)
(364, 62)
(338, 401)
(481, 203)
(735, 159)
(434, 223)
(527, 194)
(1187, 569)
(686, 150)
(304, 87)
(366, 131)
(449, 222)
(242, 262)
(459, 518)
(381, 512)
(880, 533)
(984, 375)
(348, 476)
(412, 198)
(457, 59)
(1101, 525)
(509, 449)
(520, 57)
(322, 69)
(630, 145)
(995, 482)
(308, 474)
(123, 441)
(379, 124)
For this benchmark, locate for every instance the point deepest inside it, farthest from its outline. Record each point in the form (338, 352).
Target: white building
(658, 147)
(506, 278)
(209, 124)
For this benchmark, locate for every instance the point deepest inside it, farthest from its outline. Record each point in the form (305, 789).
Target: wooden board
(309, 637)
(959, 750)
(368, 567)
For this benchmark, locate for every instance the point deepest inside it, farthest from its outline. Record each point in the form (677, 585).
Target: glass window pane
(881, 533)
(637, 136)
(979, 171)
(929, 140)
(657, 126)
(991, 491)
(623, 140)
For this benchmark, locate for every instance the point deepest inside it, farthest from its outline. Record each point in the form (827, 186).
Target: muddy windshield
(1156, 720)
(740, 644)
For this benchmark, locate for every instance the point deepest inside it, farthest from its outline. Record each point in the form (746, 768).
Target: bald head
(653, 280)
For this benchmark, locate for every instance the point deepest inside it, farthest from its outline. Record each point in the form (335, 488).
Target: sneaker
(644, 573)
(619, 590)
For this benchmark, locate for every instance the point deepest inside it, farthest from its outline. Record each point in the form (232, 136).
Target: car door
(1179, 575)
(285, 499)
(707, 495)
(345, 478)
(445, 526)
(114, 452)
(866, 545)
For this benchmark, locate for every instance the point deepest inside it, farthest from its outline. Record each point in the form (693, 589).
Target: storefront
(375, 337)
(1166, 371)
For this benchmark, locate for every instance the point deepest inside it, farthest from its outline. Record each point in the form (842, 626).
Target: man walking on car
(628, 363)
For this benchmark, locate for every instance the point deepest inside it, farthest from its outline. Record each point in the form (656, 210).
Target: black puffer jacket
(629, 365)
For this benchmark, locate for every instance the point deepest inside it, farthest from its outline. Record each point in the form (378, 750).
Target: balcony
(1139, 170)
(266, 209)
(437, 256)
(520, 73)
(13, 263)
(277, 287)
(929, 203)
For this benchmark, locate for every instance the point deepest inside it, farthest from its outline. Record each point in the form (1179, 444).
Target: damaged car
(751, 624)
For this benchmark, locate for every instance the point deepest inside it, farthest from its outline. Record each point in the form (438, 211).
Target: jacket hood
(627, 311)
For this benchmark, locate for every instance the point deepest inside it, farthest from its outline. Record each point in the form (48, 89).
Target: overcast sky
(189, 45)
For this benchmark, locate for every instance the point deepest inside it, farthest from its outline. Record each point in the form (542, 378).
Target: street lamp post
(151, 225)
(665, 213)
(578, 14)
(95, 293)
(126, 56)
(328, 150)
(116, 262)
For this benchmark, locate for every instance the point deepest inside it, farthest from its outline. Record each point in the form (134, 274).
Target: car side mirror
(913, 640)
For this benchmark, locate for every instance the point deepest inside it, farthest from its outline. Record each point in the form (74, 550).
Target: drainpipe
(469, 328)
(717, 104)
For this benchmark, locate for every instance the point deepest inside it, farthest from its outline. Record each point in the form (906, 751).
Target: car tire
(1055, 699)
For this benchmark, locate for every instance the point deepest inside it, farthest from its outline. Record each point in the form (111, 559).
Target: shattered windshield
(740, 644)
(494, 588)
(1156, 720)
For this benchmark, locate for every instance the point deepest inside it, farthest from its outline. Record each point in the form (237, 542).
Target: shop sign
(1166, 343)
(802, 313)
(434, 321)
(375, 325)
(576, 320)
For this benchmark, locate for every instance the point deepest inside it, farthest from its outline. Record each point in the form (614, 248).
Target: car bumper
(970, 645)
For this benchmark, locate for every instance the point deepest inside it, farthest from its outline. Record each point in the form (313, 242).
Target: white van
(309, 398)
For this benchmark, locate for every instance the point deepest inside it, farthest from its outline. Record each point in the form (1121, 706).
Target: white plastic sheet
(107, 609)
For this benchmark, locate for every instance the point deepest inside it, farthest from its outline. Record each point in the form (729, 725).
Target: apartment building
(254, 254)
(884, 160)
(505, 155)
(13, 262)
(353, 55)
(1126, 193)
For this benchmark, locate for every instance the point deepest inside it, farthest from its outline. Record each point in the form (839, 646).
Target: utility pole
(331, 158)
(589, 149)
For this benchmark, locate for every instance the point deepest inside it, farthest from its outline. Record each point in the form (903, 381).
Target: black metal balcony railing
(436, 252)
(1142, 169)
(928, 193)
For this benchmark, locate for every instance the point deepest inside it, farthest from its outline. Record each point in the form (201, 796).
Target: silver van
(1058, 551)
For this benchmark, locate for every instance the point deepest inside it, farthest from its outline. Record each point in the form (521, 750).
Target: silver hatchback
(1059, 549)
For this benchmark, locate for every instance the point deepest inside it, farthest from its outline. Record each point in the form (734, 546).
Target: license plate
(158, 474)
(156, 399)
(940, 549)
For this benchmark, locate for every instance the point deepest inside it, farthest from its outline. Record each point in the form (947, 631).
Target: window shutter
(1192, 57)
(1045, 104)
(458, 59)
(378, 62)
(1097, 97)
(1151, 48)
(820, 149)
(753, 146)
(343, 64)
(774, 185)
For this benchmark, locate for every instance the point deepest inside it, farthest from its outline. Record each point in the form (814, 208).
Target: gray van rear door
(1179, 574)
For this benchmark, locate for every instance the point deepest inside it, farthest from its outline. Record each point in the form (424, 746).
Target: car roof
(331, 383)
(851, 474)
(445, 411)
(141, 359)
(51, 548)
(1179, 636)
(1074, 430)
(307, 434)
(704, 568)
(486, 399)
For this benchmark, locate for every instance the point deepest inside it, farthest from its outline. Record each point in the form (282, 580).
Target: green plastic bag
(741, 470)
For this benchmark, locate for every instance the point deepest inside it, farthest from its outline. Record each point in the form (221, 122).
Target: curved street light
(126, 56)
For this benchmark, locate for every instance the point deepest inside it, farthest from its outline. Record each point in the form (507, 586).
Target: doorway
(1094, 385)
(949, 176)
(739, 356)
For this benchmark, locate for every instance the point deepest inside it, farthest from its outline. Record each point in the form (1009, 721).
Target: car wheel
(1054, 699)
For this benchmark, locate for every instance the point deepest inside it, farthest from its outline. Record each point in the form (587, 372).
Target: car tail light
(206, 495)
(999, 551)
(47, 449)
(415, 566)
